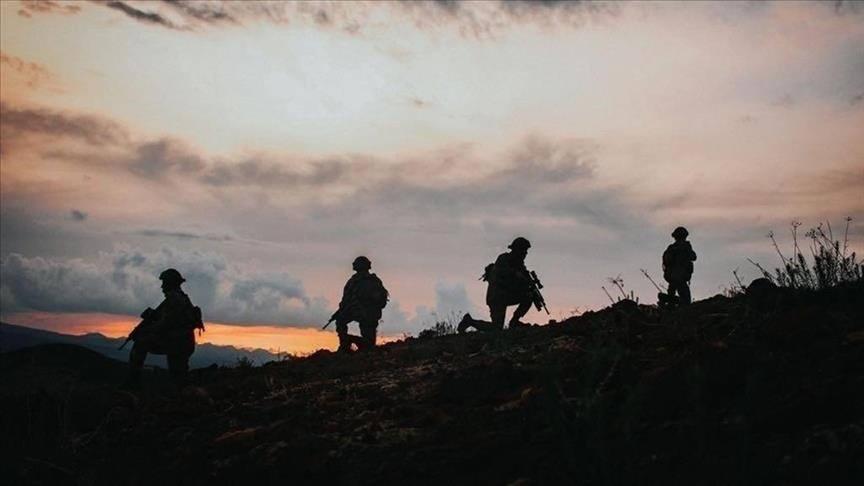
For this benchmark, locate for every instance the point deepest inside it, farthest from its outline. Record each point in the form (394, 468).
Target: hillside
(765, 389)
(14, 337)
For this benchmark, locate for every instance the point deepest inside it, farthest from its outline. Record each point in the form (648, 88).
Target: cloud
(533, 181)
(181, 235)
(451, 303)
(94, 130)
(31, 7)
(471, 19)
(208, 13)
(428, 179)
(261, 173)
(125, 282)
(34, 74)
(155, 160)
(451, 299)
(77, 215)
(141, 15)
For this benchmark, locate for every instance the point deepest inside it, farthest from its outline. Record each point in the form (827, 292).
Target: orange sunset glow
(297, 341)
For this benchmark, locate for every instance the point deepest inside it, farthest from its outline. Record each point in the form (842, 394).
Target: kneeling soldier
(168, 330)
(363, 299)
(509, 284)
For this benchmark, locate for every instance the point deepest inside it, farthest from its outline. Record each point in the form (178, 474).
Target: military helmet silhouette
(680, 232)
(171, 275)
(361, 262)
(520, 243)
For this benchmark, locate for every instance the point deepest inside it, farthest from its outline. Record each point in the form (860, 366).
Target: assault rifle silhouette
(534, 291)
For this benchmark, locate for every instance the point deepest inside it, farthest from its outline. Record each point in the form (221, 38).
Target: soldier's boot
(344, 343)
(684, 293)
(518, 314)
(466, 323)
(368, 336)
(485, 326)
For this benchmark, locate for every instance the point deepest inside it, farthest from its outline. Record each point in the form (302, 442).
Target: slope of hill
(14, 337)
(760, 390)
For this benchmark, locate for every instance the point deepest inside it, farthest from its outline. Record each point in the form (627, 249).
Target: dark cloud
(77, 215)
(30, 7)
(857, 99)
(182, 235)
(474, 19)
(538, 177)
(539, 160)
(26, 229)
(155, 160)
(141, 15)
(847, 7)
(203, 12)
(15, 122)
(125, 282)
(263, 174)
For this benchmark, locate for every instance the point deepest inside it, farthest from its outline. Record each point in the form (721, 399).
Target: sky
(260, 147)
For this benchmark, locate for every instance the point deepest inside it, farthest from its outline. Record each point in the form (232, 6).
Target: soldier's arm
(346, 294)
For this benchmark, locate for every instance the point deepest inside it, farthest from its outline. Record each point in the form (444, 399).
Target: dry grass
(829, 264)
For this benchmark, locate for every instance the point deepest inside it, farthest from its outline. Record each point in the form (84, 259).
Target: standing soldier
(363, 299)
(168, 330)
(678, 266)
(509, 284)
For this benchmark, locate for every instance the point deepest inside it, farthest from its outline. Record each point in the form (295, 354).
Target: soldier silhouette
(168, 330)
(678, 267)
(509, 283)
(363, 299)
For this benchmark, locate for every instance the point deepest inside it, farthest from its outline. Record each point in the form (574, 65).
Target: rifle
(147, 318)
(534, 291)
(332, 318)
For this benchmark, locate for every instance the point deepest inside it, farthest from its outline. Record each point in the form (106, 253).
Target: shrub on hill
(830, 263)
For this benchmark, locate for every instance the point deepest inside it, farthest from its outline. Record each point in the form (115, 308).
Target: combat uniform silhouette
(678, 266)
(363, 299)
(509, 283)
(169, 329)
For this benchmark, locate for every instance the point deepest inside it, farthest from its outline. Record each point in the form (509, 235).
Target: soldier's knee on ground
(497, 313)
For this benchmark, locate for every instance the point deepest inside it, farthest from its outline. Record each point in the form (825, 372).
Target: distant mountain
(14, 337)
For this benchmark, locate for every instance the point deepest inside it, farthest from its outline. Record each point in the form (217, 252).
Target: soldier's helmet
(680, 232)
(520, 243)
(362, 263)
(171, 276)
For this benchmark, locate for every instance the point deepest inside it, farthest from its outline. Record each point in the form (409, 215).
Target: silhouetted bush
(440, 328)
(830, 263)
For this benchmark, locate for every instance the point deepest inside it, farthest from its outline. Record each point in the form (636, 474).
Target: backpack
(487, 272)
(375, 294)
